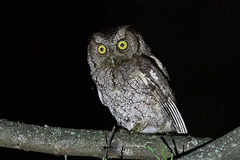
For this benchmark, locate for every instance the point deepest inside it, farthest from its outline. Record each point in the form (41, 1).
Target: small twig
(109, 141)
(175, 146)
(112, 133)
(121, 153)
(165, 142)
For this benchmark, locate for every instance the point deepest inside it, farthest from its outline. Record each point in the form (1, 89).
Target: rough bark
(80, 142)
(225, 147)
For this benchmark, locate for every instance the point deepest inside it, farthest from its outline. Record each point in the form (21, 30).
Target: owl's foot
(138, 127)
(123, 130)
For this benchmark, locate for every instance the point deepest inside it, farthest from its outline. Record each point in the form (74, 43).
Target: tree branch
(80, 142)
(225, 147)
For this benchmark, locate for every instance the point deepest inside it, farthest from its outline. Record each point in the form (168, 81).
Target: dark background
(45, 77)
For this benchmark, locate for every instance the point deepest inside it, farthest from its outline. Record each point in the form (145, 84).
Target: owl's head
(112, 47)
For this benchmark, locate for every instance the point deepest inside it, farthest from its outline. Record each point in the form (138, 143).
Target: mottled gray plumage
(132, 82)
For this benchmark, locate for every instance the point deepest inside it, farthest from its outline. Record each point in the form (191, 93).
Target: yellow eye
(122, 45)
(101, 49)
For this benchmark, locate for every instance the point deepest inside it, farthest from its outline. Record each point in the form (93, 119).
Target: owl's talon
(123, 130)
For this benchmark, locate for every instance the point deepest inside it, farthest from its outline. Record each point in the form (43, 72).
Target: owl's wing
(160, 66)
(153, 78)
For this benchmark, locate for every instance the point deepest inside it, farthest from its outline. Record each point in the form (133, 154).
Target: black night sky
(45, 77)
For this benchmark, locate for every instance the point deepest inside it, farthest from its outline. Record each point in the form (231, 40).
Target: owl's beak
(112, 60)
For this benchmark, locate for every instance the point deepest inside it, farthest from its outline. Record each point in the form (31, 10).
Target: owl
(132, 82)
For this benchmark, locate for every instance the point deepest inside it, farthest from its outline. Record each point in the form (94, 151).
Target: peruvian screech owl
(132, 82)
